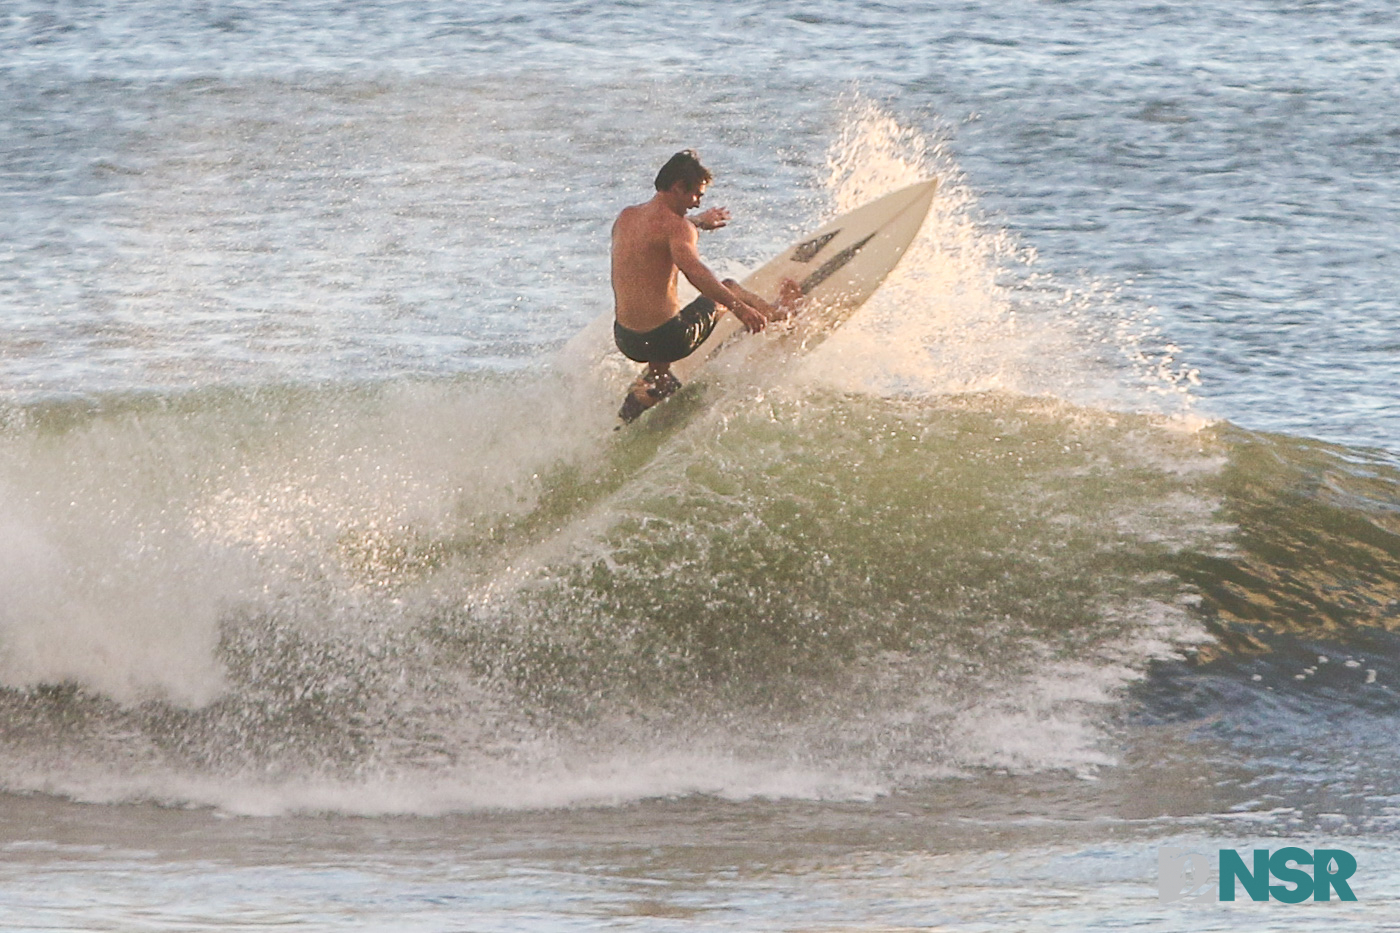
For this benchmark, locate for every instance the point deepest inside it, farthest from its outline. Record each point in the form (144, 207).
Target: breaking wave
(964, 534)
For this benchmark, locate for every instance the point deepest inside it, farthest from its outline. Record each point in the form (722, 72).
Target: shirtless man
(650, 243)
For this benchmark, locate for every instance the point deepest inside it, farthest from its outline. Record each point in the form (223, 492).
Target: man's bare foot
(652, 386)
(790, 300)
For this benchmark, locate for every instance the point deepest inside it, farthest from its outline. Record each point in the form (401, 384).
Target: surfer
(651, 242)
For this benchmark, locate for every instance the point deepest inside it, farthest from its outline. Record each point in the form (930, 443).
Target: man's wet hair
(683, 166)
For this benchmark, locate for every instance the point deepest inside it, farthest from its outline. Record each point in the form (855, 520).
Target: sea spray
(969, 309)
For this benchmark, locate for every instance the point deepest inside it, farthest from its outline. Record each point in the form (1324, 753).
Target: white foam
(124, 540)
(967, 312)
(131, 612)
(1051, 718)
(550, 782)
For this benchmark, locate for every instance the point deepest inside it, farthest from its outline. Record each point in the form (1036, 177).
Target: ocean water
(329, 598)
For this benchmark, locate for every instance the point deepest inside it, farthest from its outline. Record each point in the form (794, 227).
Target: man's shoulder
(629, 215)
(649, 220)
(676, 225)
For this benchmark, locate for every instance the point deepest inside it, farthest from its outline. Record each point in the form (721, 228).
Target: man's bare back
(654, 241)
(643, 270)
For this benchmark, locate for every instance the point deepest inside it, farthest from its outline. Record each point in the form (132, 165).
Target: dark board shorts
(674, 340)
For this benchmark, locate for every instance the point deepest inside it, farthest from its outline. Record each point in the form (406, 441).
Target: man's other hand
(712, 219)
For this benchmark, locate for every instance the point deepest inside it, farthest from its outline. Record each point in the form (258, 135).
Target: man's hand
(712, 219)
(750, 316)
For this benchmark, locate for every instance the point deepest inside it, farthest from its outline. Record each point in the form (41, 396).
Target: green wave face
(1317, 547)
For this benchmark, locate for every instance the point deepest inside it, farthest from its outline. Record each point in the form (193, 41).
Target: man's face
(692, 195)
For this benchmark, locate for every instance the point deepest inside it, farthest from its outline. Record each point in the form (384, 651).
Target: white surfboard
(839, 266)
